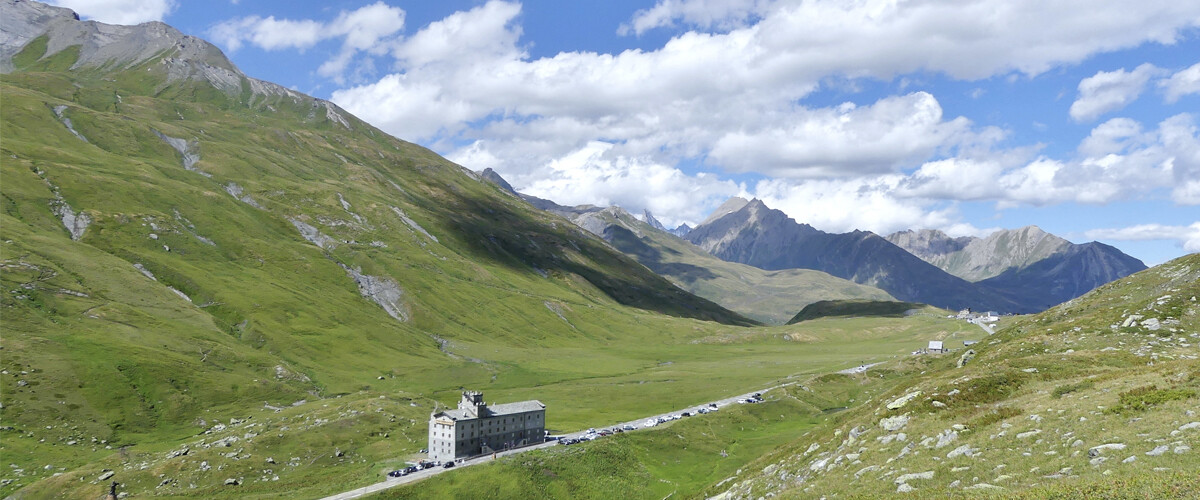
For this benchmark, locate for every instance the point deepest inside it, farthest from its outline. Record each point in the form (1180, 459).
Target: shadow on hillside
(495, 232)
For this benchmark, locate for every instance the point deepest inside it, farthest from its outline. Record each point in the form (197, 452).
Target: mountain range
(1013, 271)
(771, 297)
(1025, 270)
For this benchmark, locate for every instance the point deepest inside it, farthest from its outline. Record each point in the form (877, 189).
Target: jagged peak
(653, 222)
(731, 205)
(101, 44)
(494, 177)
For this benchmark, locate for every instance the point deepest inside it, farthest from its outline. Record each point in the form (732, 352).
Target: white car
(650, 423)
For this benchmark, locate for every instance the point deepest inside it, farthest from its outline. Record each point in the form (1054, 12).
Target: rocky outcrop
(381, 290)
(58, 111)
(238, 193)
(188, 151)
(313, 235)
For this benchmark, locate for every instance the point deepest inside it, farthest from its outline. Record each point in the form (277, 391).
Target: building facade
(476, 428)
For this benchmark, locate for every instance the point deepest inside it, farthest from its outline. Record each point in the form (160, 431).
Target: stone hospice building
(476, 428)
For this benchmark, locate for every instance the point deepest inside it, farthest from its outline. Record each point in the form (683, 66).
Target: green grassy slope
(768, 296)
(242, 313)
(849, 308)
(1097, 396)
(684, 458)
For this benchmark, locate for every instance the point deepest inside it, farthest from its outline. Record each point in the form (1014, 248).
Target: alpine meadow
(214, 286)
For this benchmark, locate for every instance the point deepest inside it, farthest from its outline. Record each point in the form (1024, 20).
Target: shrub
(1062, 390)
(1142, 398)
(996, 415)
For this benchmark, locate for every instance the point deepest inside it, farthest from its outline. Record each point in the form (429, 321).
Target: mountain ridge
(768, 296)
(766, 238)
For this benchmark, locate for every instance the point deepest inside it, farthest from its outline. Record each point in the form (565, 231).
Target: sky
(1080, 117)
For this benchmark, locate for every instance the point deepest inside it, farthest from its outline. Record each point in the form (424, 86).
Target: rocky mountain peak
(101, 44)
(492, 176)
(654, 223)
(731, 205)
(928, 243)
(171, 54)
(681, 230)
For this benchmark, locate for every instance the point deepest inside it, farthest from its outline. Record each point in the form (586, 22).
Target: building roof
(935, 344)
(494, 410)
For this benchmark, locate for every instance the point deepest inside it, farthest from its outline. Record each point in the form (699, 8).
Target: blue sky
(1078, 116)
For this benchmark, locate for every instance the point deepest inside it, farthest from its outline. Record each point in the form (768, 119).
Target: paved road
(986, 327)
(393, 482)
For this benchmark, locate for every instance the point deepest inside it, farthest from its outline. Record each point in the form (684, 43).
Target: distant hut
(936, 346)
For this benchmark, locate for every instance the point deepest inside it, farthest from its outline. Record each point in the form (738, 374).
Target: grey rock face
(58, 111)
(75, 222)
(654, 223)
(237, 192)
(313, 235)
(493, 177)
(383, 291)
(179, 57)
(187, 150)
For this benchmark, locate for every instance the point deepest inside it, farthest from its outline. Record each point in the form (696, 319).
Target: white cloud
(1183, 83)
(1187, 237)
(267, 33)
(1108, 91)
(366, 29)
(722, 14)
(823, 204)
(733, 101)
(1118, 161)
(119, 11)
(889, 134)
(592, 174)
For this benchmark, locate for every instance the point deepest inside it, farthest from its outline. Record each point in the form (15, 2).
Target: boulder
(903, 400)
(915, 475)
(893, 424)
(1095, 451)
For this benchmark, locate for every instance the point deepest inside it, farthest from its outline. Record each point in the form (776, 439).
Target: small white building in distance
(936, 346)
(475, 428)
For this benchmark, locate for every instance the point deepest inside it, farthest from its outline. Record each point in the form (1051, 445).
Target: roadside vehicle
(449, 464)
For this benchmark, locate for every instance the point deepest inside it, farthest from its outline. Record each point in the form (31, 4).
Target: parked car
(702, 410)
(449, 464)
(628, 427)
(685, 414)
(397, 473)
(411, 469)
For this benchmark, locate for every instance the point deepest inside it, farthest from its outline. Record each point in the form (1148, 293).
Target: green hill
(182, 245)
(1094, 398)
(850, 308)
